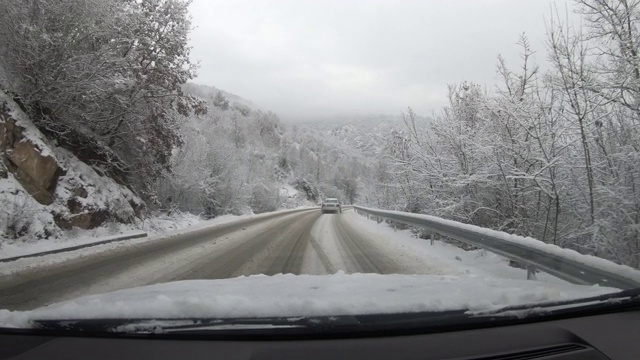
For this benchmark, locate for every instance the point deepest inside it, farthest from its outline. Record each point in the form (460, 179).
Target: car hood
(288, 295)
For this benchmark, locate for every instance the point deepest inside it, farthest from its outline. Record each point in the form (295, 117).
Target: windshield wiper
(630, 296)
(195, 325)
(254, 326)
(345, 324)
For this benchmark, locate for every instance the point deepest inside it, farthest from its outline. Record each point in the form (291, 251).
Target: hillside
(45, 190)
(367, 135)
(208, 92)
(232, 159)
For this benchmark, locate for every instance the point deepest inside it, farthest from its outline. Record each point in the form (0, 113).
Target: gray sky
(308, 59)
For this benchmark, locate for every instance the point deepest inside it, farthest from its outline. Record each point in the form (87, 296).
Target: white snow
(288, 191)
(291, 198)
(152, 226)
(19, 249)
(442, 257)
(305, 295)
(36, 228)
(392, 255)
(446, 278)
(30, 131)
(592, 261)
(20, 210)
(102, 192)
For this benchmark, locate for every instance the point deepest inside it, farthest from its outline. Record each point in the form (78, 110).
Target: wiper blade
(262, 326)
(199, 326)
(340, 324)
(165, 326)
(624, 296)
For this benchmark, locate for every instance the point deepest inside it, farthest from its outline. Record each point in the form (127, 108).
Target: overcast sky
(307, 59)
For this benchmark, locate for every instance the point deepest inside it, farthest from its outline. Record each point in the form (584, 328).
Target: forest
(551, 154)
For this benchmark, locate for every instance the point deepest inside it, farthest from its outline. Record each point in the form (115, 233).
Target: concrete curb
(76, 247)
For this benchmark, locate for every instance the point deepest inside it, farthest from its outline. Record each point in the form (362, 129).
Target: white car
(331, 205)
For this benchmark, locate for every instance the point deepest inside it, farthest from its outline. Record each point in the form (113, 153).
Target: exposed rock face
(83, 219)
(6, 129)
(3, 170)
(36, 172)
(89, 220)
(52, 184)
(43, 171)
(80, 192)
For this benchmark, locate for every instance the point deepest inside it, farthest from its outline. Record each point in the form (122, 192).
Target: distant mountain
(208, 92)
(367, 134)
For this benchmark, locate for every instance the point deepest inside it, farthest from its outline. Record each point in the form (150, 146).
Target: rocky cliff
(45, 189)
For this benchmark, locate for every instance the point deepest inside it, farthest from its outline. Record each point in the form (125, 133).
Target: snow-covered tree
(103, 77)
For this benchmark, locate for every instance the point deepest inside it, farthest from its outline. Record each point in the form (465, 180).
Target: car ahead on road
(331, 205)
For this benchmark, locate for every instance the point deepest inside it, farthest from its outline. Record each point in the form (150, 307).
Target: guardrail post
(379, 220)
(367, 216)
(531, 273)
(395, 227)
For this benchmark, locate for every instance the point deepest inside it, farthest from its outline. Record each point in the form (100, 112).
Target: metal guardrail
(554, 264)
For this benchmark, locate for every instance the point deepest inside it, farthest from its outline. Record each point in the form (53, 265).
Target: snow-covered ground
(329, 247)
(441, 256)
(152, 226)
(291, 198)
(528, 242)
(305, 295)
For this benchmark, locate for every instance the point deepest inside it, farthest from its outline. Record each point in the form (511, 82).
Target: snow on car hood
(304, 295)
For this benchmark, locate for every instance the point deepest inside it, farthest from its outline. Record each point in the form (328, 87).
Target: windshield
(235, 161)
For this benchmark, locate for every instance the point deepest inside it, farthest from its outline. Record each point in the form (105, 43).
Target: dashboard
(601, 336)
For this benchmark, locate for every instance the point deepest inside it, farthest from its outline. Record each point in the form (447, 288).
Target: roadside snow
(304, 295)
(448, 258)
(152, 226)
(329, 250)
(16, 250)
(593, 261)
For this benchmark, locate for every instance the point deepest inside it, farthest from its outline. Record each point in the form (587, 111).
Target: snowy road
(304, 242)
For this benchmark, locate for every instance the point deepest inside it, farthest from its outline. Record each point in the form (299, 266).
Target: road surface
(303, 242)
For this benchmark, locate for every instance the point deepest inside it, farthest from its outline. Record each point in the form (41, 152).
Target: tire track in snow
(324, 259)
(290, 257)
(359, 254)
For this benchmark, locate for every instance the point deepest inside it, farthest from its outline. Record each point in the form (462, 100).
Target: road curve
(272, 244)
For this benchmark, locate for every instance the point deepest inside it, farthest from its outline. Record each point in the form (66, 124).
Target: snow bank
(152, 226)
(305, 295)
(449, 259)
